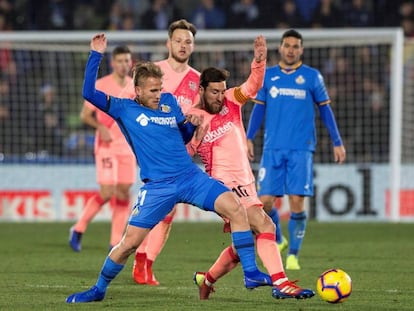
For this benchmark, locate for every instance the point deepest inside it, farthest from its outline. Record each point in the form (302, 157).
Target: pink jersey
(223, 149)
(108, 85)
(184, 85)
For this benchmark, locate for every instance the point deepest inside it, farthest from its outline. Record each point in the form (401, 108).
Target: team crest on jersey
(224, 111)
(165, 108)
(192, 85)
(300, 80)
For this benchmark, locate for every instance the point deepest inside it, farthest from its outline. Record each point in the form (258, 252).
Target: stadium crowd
(205, 14)
(345, 71)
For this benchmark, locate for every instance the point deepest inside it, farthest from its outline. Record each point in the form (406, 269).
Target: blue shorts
(157, 198)
(286, 172)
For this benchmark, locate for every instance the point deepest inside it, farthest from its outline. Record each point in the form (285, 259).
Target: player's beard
(179, 59)
(213, 109)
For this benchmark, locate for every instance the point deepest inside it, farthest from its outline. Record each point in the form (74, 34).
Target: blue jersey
(156, 136)
(290, 99)
(153, 135)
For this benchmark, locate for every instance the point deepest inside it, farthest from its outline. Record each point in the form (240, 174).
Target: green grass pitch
(38, 269)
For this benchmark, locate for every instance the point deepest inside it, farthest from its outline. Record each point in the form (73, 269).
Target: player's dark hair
(213, 74)
(292, 33)
(122, 49)
(145, 70)
(181, 24)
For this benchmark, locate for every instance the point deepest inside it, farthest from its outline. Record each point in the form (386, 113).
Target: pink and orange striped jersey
(184, 85)
(223, 149)
(109, 85)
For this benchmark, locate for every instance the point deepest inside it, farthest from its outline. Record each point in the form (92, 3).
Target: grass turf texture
(38, 270)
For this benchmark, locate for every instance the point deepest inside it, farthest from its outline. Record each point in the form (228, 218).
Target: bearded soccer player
(288, 97)
(181, 80)
(115, 163)
(225, 141)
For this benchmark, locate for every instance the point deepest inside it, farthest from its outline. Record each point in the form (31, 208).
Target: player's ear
(200, 90)
(137, 91)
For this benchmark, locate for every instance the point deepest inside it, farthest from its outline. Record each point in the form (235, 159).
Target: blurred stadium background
(366, 57)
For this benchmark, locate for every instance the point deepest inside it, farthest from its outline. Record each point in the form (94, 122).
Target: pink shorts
(247, 194)
(112, 169)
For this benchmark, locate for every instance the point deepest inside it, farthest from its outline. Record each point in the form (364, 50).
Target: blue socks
(296, 227)
(110, 270)
(244, 244)
(274, 215)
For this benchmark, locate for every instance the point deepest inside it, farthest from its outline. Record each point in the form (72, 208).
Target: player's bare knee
(229, 206)
(267, 201)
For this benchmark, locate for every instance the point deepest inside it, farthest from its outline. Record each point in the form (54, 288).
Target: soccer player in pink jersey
(222, 147)
(182, 80)
(116, 167)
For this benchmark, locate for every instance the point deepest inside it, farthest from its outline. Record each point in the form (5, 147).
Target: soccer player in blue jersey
(157, 131)
(287, 99)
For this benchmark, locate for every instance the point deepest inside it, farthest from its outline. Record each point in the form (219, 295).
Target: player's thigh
(199, 189)
(154, 202)
(127, 169)
(106, 167)
(259, 221)
(247, 194)
(272, 173)
(299, 179)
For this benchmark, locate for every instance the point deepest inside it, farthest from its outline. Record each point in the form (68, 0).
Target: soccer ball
(334, 285)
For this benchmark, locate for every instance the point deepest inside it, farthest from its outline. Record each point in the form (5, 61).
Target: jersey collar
(291, 69)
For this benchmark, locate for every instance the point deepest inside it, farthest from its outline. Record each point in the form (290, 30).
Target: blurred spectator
(128, 22)
(358, 14)
(407, 25)
(80, 144)
(115, 17)
(85, 16)
(8, 14)
(208, 15)
(51, 14)
(134, 7)
(48, 123)
(244, 14)
(327, 15)
(306, 9)
(289, 17)
(160, 15)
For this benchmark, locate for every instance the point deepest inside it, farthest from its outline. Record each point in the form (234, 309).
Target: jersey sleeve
(89, 92)
(261, 94)
(320, 94)
(115, 106)
(253, 84)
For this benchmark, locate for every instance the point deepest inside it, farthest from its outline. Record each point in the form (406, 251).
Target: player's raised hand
(260, 48)
(98, 43)
(339, 154)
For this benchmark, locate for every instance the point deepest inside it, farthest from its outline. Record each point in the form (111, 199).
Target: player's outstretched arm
(89, 92)
(254, 82)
